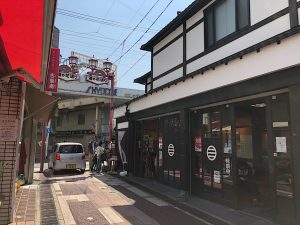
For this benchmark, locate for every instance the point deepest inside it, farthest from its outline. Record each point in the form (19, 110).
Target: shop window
(177, 176)
(81, 119)
(284, 179)
(206, 125)
(227, 147)
(166, 175)
(224, 18)
(197, 146)
(282, 145)
(215, 124)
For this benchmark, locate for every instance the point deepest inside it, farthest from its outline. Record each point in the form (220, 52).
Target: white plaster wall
(168, 78)
(167, 39)
(194, 19)
(195, 41)
(269, 30)
(261, 9)
(168, 58)
(120, 111)
(271, 58)
(123, 125)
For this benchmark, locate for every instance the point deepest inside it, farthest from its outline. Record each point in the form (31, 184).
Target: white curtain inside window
(225, 19)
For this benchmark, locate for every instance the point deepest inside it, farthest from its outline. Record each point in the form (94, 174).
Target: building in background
(220, 117)
(83, 110)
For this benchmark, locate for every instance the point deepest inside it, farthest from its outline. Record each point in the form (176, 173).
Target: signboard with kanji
(52, 73)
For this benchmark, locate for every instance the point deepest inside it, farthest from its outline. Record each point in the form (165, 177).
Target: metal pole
(96, 120)
(43, 147)
(111, 106)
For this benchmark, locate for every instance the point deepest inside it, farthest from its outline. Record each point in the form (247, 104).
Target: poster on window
(217, 176)
(198, 144)
(281, 144)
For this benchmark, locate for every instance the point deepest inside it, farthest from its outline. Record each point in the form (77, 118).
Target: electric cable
(145, 31)
(98, 20)
(127, 71)
(134, 28)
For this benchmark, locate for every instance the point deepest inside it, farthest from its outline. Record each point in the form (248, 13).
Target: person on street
(98, 152)
(91, 148)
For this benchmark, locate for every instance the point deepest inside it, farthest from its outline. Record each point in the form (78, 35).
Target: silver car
(67, 156)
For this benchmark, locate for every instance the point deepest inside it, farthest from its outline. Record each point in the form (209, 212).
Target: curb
(57, 206)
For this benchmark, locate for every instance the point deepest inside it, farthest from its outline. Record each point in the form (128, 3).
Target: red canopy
(21, 36)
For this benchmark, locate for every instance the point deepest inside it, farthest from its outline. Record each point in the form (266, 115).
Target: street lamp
(96, 76)
(107, 66)
(73, 61)
(93, 64)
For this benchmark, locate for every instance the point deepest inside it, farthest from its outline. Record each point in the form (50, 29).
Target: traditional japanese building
(220, 115)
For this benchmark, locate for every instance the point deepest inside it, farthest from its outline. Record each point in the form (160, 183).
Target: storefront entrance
(253, 178)
(241, 155)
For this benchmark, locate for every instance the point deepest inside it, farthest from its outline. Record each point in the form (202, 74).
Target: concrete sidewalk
(198, 206)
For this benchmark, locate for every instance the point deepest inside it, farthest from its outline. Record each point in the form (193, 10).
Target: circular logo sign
(171, 150)
(211, 153)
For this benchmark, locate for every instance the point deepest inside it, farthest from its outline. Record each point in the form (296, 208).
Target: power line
(132, 66)
(131, 19)
(136, 11)
(98, 20)
(123, 42)
(87, 36)
(75, 42)
(145, 31)
(108, 11)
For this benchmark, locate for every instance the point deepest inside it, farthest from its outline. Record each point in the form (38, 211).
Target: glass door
(212, 150)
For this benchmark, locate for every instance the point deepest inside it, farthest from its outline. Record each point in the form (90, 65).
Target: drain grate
(47, 205)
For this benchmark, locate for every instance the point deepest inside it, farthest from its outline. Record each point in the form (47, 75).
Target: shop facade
(219, 117)
(23, 67)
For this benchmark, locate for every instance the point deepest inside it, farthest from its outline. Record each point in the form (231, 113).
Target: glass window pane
(206, 125)
(284, 181)
(215, 124)
(209, 23)
(243, 13)
(227, 146)
(225, 19)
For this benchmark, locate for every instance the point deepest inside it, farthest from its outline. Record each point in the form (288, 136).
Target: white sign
(171, 150)
(9, 129)
(211, 153)
(217, 176)
(281, 144)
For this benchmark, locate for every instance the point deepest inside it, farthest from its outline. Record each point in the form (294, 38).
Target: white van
(67, 156)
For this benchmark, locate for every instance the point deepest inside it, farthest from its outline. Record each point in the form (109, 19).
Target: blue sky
(99, 28)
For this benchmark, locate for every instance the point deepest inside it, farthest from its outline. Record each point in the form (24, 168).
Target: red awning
(21, 38)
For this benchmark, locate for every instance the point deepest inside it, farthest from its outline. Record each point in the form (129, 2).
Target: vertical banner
(121, 150)
(53, 70)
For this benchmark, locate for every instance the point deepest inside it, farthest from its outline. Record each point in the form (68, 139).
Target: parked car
(67, 156)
